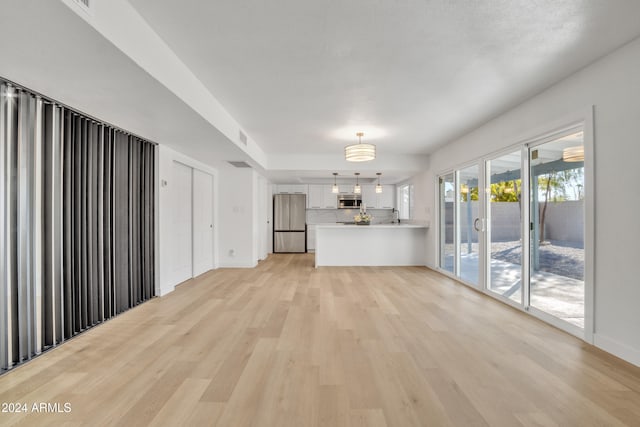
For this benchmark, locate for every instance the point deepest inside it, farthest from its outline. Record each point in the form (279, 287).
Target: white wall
(167, 196)
(422, 204)
(237, 202)
(612, 86)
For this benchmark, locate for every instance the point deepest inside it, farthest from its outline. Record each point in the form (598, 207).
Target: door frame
(586, 125)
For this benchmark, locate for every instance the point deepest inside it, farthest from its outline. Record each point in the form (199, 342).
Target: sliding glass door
(461, 223)
(556, 270)
(514, 226)
(504, 225)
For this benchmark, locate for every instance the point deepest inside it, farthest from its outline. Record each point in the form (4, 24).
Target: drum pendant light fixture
(573, 154)
(360, 152)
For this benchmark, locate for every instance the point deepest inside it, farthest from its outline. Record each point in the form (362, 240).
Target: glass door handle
(475, 224)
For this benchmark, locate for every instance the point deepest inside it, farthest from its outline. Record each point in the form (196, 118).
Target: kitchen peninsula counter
(370, 245)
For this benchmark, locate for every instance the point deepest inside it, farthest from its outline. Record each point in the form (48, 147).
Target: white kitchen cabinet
(315, 197)
(384, 200)
(282, 188)
(369, 196)
(345, 188)
(311, 238)
(292, 188)
(321, 197)
(299, 189)
(330, 199)
(387, 199)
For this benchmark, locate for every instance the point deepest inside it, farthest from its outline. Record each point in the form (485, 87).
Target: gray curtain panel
(76, 223)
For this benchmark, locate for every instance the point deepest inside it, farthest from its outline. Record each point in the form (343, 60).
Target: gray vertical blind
(76, 223)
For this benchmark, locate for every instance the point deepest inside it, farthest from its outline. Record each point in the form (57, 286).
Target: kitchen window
(405, 201)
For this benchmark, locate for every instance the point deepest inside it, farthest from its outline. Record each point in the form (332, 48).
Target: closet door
(202, 222)
(182, 223)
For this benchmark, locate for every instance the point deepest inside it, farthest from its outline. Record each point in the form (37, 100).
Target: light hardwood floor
(285, 344)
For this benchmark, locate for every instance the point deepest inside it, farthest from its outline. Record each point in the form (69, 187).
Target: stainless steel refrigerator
(289, 223)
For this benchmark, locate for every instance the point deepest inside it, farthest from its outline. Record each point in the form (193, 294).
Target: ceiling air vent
(240, 164)
(85, 5)
(243, 137)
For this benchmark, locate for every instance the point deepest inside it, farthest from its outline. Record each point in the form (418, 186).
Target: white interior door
(202, 222)
(182, 223)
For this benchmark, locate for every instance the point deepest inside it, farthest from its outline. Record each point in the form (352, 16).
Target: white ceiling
(304, 76)
(73, 64)
(301, 77)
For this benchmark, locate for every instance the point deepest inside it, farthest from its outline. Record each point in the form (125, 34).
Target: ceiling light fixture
(335, 188)
(378, 187)
(357, 189)
(573, 154)
(360, 152)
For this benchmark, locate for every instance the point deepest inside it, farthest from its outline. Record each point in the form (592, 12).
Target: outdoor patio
(557, 287)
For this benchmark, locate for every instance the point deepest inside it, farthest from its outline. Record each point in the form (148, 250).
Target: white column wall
(237, 246)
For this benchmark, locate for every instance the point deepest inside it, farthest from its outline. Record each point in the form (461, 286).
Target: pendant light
(335, 189)
(357, 189)
(360, 152)
(378, 187)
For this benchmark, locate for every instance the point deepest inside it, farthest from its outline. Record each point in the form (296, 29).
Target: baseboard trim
(167, 290)
(622, 351)
(237, 265)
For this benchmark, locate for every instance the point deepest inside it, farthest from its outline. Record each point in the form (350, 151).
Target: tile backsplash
(329, 216)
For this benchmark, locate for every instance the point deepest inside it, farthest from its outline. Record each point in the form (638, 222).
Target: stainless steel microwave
(349, 201)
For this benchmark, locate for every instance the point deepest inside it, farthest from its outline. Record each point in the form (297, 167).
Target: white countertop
(372, 226)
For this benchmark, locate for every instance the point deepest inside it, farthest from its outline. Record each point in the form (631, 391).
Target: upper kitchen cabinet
(369, 196)
(316, 196)
(387, 199)
(345, 189)
(384, 200)
(291, 188)
(321, 197)
(330, 198)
